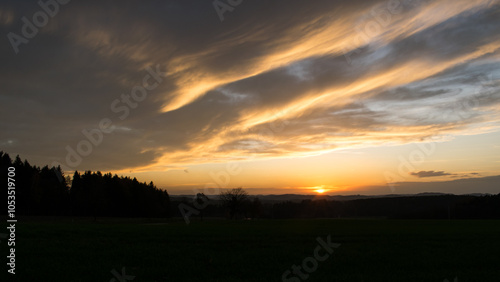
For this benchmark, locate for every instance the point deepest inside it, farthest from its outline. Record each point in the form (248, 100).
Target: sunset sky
(346, 97)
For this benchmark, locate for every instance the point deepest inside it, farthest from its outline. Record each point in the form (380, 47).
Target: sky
(334, 97)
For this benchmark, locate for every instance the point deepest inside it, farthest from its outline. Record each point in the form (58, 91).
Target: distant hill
(419, 206)
(299, 197)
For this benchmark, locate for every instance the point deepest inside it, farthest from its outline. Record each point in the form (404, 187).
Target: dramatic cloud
(274, 79)
(430, 173)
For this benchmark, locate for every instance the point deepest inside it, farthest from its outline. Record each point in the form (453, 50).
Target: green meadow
(260, 250)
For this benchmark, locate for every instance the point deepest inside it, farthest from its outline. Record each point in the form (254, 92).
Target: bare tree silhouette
(233, 200)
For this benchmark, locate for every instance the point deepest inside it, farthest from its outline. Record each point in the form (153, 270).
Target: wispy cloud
(430, 173)
(433, 70)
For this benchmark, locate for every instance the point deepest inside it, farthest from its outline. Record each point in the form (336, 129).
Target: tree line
(46, 191)
(237, 204)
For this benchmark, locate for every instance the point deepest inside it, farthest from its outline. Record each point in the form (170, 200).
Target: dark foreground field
(219, 250)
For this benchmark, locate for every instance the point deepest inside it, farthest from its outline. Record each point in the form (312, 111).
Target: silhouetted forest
(408, 207)
(46, 191)
(417, 207)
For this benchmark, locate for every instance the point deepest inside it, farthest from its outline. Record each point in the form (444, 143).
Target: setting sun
(358, 97)
(234, 140)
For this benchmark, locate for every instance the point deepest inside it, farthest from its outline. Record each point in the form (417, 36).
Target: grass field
(262, 250)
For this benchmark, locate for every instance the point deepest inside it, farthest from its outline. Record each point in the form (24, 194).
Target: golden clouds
(297, 79)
